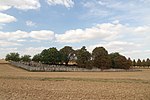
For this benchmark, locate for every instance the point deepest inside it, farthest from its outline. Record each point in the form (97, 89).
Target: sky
(29, 26)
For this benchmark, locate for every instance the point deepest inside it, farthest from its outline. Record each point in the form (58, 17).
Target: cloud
(136, 54)
(29, 51)
(5, 51)
(115, 37)
(105, 31)
(4, 18)
(20, 4)
(94, 9)
(127, 11)
(7, 44)
(42, 35)
(3, 8)
(30, 23)
(32, 50)
(17, 35)
(116, 46)
(13, 35)
(66, 3)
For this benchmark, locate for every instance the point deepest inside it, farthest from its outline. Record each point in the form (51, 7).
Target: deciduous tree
(83, 57)
(66, 53)
(101, 58)
(12, 57)
(26, 58)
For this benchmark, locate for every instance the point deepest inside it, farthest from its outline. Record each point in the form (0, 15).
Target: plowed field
(18, 84)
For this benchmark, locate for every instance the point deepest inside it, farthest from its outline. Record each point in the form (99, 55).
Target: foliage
(148, 62)
(134, 63)
(130, 62)
(50, 56)
(101, 58)
(37, 58)
(119, 61)
(83, 57)
(139, 63)
(66, 53)
(12, 57)
(26, 58)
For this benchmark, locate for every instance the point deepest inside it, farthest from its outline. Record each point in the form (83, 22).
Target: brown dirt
(18, 84)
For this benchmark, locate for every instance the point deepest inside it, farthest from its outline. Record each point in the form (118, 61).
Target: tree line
(99, 58)
(140, 63)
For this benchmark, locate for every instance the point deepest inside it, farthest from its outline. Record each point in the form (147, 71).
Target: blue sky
(29, 26)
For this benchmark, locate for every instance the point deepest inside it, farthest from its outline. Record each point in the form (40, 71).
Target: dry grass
(3, 61)
(17, 84)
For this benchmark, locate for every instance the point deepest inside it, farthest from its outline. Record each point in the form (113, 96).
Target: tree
(112, 56)
(143, 63)
(51, 56)
(66, 53)
(139, 63)
(37, 58)
(101, 58)
(148, 62)
(119, 61)
(83, 57)
(12, 57)
(26, 58)
(134, 63)
(130, 61)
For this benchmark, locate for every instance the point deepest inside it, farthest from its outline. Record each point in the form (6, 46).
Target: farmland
(18, 84)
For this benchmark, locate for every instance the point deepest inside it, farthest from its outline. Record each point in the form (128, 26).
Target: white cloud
(126, 11)
(135, 54)
(19, 35)
(3, 8)
(21, 40)
(115, 37)
(4, 18)
(7, 44)
(21, 4)
(30, 23)
(105, 31)
(5, 51)
(32, 50)
(116, 46)
(42, 35)
(13, 35)
(66, 3)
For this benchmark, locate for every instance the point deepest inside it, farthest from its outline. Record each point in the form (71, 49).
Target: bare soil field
(18, 84)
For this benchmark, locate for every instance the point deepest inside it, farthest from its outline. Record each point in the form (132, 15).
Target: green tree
(101, 58)
(37, 58)
(130, 61)
(148, 62)
(143, 63)
(66, 53)
(119, 61)
(51, 56)
(112, 56)
(134, 63)
(83, 58)
(12, 57)
(26, 58)
(139, 63)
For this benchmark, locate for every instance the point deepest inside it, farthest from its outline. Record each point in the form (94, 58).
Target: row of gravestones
(44, 67)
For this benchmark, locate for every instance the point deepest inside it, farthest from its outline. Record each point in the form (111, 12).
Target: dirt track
(17, 84)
